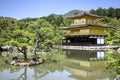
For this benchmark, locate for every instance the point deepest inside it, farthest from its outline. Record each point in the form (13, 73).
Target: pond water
(70, 65)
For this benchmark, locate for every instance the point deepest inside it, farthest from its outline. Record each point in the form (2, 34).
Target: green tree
(59, 20)
(22, 40)
(111, 12)
(46, 36)
(113, 62)
(116, 37)
(114, 32)
(7, 26)
(49, 37)
(51, 18)
(92, 11)
(117, 13)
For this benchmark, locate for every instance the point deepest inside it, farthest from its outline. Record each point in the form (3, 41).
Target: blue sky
(37, 8)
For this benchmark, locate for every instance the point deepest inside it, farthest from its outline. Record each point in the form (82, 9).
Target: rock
(32, 62)
(34, 59)
(118, 50)
(13, 62)
(6, 62)
(15, 58)
(40, 60)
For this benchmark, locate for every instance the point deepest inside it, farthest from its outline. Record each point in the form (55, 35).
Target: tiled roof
(84, 13)
(84, 25)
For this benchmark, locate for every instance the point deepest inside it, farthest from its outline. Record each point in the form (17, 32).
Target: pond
(68, 65)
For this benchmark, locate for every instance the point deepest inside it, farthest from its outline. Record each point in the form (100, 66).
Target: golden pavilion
(85, 31)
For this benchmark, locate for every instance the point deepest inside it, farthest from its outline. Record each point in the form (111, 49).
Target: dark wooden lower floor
(83, 40)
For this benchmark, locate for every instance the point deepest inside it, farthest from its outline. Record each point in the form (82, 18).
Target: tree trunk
(35, 48)
(25, 56)
(25, 53)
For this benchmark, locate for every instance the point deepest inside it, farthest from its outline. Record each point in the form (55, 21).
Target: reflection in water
(23, 76)
(86, 65)
(100, 54)
(71, 65)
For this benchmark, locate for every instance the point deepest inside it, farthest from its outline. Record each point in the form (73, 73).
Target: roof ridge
(84, 13)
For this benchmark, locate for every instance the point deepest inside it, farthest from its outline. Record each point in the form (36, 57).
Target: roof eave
(85, 25)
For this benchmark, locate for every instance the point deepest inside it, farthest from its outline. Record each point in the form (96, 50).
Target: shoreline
(88, 47)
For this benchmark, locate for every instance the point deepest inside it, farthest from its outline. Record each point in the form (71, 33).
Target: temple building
(85, 31)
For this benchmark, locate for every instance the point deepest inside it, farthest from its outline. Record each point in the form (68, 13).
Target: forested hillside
(72, 12)
(110, 12)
